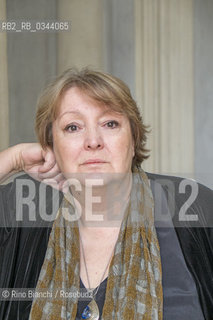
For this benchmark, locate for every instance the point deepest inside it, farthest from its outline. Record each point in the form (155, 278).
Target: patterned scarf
(134, 286)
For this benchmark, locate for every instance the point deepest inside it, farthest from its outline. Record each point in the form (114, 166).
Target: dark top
(180, 298)
(99, 298)
(22, 250)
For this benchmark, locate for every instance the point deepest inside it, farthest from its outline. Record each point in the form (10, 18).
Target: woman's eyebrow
(110, 112)
(106, 112)
(67, 112)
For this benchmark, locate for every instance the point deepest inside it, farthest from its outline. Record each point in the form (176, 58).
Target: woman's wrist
(11, 161)
(16, 157)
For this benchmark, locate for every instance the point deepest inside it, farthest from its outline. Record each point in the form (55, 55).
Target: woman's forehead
(77, 101)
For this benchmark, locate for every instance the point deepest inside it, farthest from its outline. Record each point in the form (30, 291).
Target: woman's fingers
(49, 161)
(57, 182)
(49, 168)
(39, 163)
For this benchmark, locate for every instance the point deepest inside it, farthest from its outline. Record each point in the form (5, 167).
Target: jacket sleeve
(196, 240)
(191, 205)
(22, 246)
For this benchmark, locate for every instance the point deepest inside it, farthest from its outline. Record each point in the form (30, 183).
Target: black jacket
(22, 249)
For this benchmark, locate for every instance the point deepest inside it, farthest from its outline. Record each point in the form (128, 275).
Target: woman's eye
(71, 127)
(112, 124)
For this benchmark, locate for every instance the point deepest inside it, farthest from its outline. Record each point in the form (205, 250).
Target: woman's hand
(34, 160)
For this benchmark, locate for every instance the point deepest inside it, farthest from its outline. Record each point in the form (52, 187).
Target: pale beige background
(161, 48)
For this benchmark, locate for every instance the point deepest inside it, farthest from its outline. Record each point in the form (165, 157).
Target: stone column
(4, 113)
(164, 82)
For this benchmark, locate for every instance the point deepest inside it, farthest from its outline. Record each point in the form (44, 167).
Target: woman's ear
(133, 148)
(49, 135)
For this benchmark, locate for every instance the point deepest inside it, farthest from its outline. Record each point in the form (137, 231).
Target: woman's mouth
(94, 162)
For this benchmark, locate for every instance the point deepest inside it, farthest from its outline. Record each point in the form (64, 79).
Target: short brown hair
(103, 88)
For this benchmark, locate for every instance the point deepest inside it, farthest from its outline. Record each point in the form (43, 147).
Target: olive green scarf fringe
(134, 286)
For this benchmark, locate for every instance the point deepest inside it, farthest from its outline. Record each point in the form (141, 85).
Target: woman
(92, 140)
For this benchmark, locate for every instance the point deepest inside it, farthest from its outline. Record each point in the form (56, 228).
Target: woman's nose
(93, 140)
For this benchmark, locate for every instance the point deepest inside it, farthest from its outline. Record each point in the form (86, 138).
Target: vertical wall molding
(203, 63)
(31, 64)
(119, 40)
(82, 46)
(164, 82)
(4, 107)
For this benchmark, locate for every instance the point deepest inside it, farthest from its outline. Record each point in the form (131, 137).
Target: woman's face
(89, 137)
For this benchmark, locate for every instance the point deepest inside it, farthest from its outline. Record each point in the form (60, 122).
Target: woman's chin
(100, 175)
